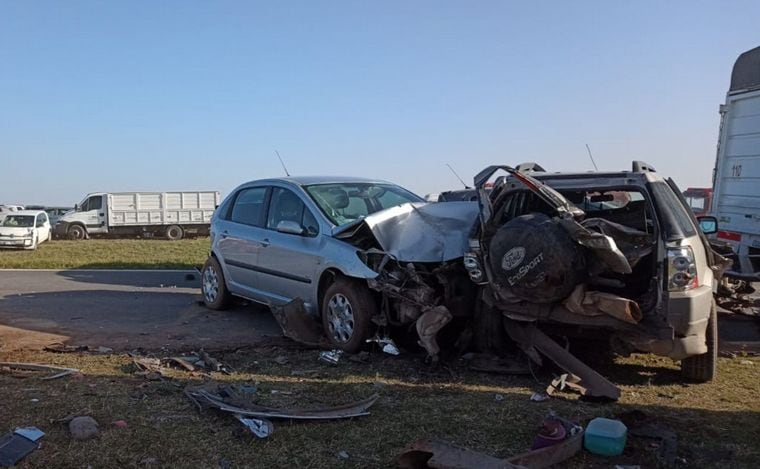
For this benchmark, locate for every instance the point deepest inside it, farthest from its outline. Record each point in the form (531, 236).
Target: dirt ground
(717, 424)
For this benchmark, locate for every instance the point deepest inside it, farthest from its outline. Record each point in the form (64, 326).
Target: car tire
(76, 232)
(704, 368)
(213, 287)
(174, 233)
(347, 310)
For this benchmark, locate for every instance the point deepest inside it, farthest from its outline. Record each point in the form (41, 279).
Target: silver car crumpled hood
(419, 232)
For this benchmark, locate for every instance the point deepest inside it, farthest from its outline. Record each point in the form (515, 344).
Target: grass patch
(717, 424)
(109, 254)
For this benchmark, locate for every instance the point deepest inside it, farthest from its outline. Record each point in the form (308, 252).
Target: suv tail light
(682, 270)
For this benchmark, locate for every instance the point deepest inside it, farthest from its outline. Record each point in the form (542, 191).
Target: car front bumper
(15, 242)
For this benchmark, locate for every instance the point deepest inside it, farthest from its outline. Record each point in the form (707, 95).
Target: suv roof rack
(642, 167)
(530, 167)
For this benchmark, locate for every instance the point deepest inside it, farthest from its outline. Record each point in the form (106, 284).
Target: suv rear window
(674, 219)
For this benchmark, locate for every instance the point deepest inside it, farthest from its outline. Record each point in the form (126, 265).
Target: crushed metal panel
(594, 303)
(297, 323)
(531, 339)
(424, 232)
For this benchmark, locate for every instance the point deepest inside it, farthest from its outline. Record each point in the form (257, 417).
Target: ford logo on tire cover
(513, 258)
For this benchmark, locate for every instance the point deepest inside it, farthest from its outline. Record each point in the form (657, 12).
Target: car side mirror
(708, 224)
(290, 227)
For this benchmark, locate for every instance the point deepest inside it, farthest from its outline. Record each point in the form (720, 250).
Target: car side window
(95, 202)
(40, 220)
(248, 207)
(287, 206)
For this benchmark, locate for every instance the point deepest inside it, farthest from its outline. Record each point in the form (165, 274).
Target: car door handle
(224, 234)
(102, 214)
(265, 242)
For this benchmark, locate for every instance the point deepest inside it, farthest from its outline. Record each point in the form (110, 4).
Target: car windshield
(344, 203)
(19, 221)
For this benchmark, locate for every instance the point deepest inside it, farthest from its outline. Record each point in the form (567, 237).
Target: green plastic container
(605, 437)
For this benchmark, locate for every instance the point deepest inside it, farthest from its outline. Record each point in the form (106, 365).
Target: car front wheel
(213, 289)
(347, 310)
(703, 368)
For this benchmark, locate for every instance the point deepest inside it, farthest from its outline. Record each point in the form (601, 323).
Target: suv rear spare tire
(347, 310)
(703, 368)
(535, 259)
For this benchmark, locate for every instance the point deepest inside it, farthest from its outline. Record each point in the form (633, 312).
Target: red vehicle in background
(699, 199)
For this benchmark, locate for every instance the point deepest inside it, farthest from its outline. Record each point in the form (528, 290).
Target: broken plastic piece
(539, 397)
(330, 356)
(15, 447)
(262, 428)
(386, 344)
(31, 433)
(297, 324)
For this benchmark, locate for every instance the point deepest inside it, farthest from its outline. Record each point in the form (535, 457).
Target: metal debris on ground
(566, 381)
(330, 356)
(297, 324)
(532, 341)
(58, 372)
(261, 428)
(226, 398)
(432, 453)
(61, 348)
(738, 297)
(386, 344)
(16, 445)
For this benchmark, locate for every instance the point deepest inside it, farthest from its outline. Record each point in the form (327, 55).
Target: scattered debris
(498, 397)
(119, 423)
(343, 455)
(227, 399)
(58, 372)
(386, 344)
(16, 445)
(261, 428)
(566, 381)
(746, 362)
(738, 297)
(539, 397)
(280, 359)
(83, 428)
(61, 348)
(431, 453)
(331, 356)
(532, 340)
(298, 324)
(102, 349)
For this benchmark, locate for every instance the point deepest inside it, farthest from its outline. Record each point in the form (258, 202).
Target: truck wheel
(703, 368)
(174, 233)
(213, 288)
(77, 232)
(347, 311)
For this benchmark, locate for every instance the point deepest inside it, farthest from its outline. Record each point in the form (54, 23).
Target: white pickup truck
(736, 178)
(173, 215)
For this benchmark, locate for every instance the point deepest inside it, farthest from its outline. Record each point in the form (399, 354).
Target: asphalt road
(120, 309)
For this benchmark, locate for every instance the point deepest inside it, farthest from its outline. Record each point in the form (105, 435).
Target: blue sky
(145, 95)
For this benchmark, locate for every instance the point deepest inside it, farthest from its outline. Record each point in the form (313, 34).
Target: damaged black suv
(615, 255)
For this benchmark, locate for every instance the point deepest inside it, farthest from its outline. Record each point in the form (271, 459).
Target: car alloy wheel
(340, 318)
(210, 285)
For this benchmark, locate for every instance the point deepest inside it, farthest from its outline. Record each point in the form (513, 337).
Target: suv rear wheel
(703, 368)
(347, 311)
(213, 289)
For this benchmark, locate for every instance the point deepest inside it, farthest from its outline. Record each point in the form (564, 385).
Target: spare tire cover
(535, 259)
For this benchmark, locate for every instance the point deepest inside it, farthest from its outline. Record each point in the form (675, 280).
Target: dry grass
(718, 424)
(109, 254)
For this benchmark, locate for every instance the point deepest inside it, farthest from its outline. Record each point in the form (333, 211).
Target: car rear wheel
(213, 289)
(347, 311)
(703, 368)
(77, 232)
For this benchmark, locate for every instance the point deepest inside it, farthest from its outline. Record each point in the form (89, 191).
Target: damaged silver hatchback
(614, 256)
(362, 255)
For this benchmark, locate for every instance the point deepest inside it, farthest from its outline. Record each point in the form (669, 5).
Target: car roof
(26, 212)
(308, 180)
